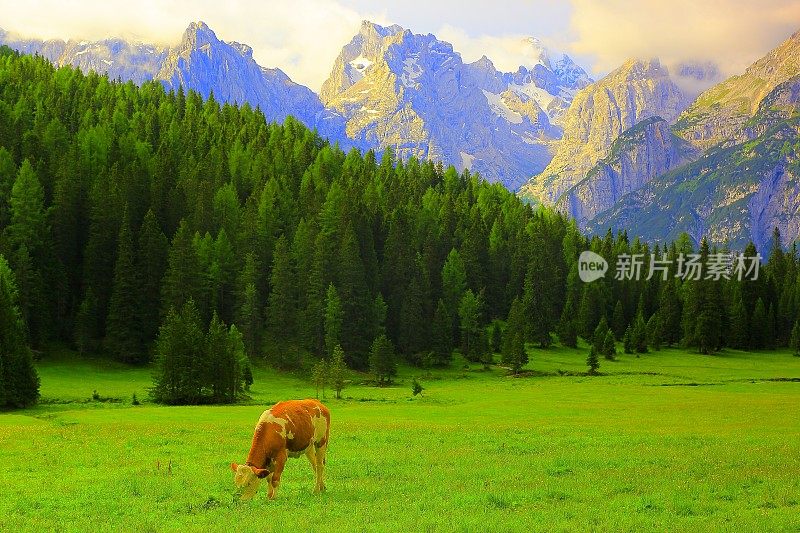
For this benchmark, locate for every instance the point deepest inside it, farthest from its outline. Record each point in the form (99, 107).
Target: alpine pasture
(671, 440)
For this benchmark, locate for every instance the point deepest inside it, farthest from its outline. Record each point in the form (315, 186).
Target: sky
(303, 37)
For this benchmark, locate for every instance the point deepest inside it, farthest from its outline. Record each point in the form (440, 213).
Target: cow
(288, 429)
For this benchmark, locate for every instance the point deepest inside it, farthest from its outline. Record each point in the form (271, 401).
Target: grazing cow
(288, 429)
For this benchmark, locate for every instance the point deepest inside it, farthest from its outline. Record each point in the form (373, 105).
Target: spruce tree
(758, 329)
(180, 358)
(442, 342)
(19, 382)
(337, 370)
(497, 337)
(514, 354)
(280, 304)
(618, 323)
(151, 265)
(567, 329)
(382, 360)
(248, 316)
(609, 346)
(592, 361)
(183, 276)
(469, 312)
(627, 340)
(123, 331)
(794, 340)
(333, 320)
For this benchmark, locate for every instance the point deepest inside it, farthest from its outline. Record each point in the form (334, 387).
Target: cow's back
(307, 423)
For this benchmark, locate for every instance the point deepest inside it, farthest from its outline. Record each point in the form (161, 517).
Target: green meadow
(669, 441)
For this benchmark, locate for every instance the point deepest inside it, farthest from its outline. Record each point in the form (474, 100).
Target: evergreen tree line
(120, 205)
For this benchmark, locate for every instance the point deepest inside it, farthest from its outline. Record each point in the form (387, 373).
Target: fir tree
(382, 360)
(442, 348)
(469, 312)
(180, 358)
(151, 265)
(280, 304)
(514, 354)
(618, 323)
(319, 375)
(123, 332)
(794, 340)
(627, 340)
(19, 382)
(333, 320)
(609, 346)
(592, 361)
(337, 370)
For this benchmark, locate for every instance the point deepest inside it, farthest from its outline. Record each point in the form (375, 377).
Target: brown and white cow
(288, 429)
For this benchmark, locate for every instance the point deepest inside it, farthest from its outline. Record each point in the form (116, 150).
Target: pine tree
(497, 337)
(333, 320)
(758, 330)
(337, 370)
(794, 340)
(654, 331)
(469, 312)
(280, 304)
(86, 332)
(567, 329)
(627, 340)
(382, 360)
(180, 358)
(123, 332)
(514, 353)
(442, 346)
(599, 336)
(454, 284)
(609, 346)
(356, 301)
(319, 375)
(183, 276)
(19, 382)
(639, 334)
(739, 324)
(151, 265)
(618, 323)
(592, 361)
(249, 307)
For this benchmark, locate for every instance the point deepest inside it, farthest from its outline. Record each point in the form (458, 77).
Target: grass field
(670, 441)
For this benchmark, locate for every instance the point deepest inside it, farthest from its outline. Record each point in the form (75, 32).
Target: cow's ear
(260, 473)
(234, 467)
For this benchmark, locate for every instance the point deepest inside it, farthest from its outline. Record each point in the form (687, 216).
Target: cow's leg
(280, 462)
(321, 451)
(312, 458)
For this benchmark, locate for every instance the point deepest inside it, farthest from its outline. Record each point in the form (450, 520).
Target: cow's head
(247, 479)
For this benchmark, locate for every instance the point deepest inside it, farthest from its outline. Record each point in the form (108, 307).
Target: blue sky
(303, 37)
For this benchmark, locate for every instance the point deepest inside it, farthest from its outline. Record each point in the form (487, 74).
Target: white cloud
(732, 33)
(507, 52)
(302, 37)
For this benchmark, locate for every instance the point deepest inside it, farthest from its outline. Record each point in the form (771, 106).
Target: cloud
(507, 52)
(731, 33)
(302, 37)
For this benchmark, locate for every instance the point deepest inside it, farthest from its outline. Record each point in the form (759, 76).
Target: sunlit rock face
(598, 114)
(414, 94)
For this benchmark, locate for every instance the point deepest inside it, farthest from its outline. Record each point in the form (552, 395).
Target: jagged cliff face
(118, 58)
(204, 63)
(640, 154)
(413, 93)
(721, 114)
(599, 114)
(200, 62)
(731, 193)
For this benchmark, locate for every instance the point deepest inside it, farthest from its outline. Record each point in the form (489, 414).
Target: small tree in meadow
(592, 361)
(337, 370)
(609, 346)
(319, 374)
(416, 388)
(382, 360)
(247, 377)
(627, 340)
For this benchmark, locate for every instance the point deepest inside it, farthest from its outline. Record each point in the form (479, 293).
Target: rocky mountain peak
(198, 34)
